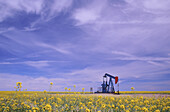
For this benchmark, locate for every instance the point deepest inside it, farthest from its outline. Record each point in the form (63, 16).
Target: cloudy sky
(75, 42)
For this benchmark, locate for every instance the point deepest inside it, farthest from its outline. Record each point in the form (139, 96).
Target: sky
(75, 42)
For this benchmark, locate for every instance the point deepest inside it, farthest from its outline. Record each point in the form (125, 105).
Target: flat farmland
(45, 102)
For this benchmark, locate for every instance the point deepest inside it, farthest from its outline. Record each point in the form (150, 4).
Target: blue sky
(75, 42)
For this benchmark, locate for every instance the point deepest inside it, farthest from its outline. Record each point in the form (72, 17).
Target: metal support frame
(107, 86)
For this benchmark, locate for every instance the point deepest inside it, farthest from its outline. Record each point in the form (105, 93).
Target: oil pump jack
(109, 87)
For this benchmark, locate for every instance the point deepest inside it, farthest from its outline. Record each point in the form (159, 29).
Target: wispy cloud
(30, 29)
(130, 12)
(36, 64)
(152, 60)
(122, 53)
(29, 82)
(58, 49)
(46, 10)
(154, 6)
(89, 14)
(10, 7)
(145, 58)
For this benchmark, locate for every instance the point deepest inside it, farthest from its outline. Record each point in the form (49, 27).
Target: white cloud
(3, 30)
(36, 64)
(121, 53)
(145, 58)
(85, 16)
(9, 7)
(129, 57)
(28, 82)
(58, 49)
(100, 13)
(157, 4)
(40, 7)
(4, 12)
(155, 63)
(59, 5)
(151, 6)
(30, 29)
(90, 13)
(41, 83)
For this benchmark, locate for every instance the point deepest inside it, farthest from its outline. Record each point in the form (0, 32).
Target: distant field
(54, 92)
(145, 92)
(121, 92)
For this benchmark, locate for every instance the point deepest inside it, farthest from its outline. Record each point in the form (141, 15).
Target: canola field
(20, 101)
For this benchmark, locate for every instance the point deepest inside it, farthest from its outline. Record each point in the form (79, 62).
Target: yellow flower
(90, 103)
(59, 100)
(146, 101)
(145, 109)
(157, 110)
(132, 88)
(45, 91)
(51, 83)
(112, 98)
(18, 83)
(103, 105)
(113, 106)
(28, 107)
(35, 108)
(122, 106)
(100, 97)
(87, 110)
(48, 107)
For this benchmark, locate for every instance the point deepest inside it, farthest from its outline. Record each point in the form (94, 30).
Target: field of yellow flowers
(43, 102)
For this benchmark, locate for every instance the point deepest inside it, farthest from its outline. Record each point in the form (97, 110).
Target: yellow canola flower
(87, 110)
(18, 83)
(90, 103)
(51, 83)
(122, 106)
(103, 105)
(145, 109)
(113, 106)
(59, 99)
(157, 110)
(48, 107)
(132, 88)
(100, 97)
